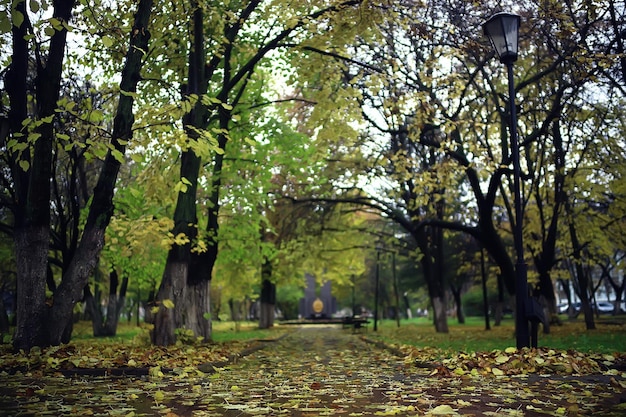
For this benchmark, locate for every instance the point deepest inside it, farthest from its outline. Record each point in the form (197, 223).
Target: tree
(445, 101)
(242, 38)
(37, 323)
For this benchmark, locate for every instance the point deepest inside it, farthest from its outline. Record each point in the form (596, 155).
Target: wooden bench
(356, 322)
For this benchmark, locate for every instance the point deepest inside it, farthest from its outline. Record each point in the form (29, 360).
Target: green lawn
(608, 337)
(223, 331)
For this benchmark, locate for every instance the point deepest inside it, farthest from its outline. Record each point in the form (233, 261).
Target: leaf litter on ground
(319, 372)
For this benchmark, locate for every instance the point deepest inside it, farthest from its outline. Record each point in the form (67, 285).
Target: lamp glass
(502, 30)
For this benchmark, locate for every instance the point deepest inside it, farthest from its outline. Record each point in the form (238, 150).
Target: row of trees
(251, 141)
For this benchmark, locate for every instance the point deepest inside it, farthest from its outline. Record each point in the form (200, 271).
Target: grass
(223, 331)
(608, 337)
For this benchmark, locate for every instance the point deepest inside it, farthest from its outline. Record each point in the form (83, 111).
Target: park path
(313, 371)
(327, 370)
(316, 370)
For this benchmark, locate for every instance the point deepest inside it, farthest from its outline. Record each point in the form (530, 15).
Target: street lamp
(378, 248)
(503, 30)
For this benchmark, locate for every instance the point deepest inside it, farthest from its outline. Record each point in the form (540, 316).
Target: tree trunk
(499, 313)
(483, 274)
(268, 297)
(456, 293)
(33, 229)
(184, 268)
(580, 273)
(40, 326)
(167, 319)
(115, 304)
(440, 314)
(93, 308)
(4, 321)
(197, 310)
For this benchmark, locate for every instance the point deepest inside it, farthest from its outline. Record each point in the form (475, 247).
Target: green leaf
(49, 31)
(34, 6)
(25, 165)
(128, 93)
(18, 18)
(107, 41)
(119, 157)
(5, 23)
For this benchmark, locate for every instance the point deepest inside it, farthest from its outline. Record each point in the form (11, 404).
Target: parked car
(562, 308)
(604, 307)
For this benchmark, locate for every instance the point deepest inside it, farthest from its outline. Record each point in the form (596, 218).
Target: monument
(314, 305)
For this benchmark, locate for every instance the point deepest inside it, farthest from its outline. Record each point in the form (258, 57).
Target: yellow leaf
(168, 303)
(497, 372)
(502, 359)
(159, 395)
(510, 350)
(442, 410)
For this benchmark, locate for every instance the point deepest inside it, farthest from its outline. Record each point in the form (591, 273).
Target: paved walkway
(317, 370)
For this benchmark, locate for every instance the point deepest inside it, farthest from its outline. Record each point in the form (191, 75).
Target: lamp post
(376, 289)
(502, 29)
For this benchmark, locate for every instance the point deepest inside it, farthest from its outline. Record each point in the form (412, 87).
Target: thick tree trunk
(440, 319)
(101, 209)
(184, 268)
(31, 253)
(39, 326)
(33, 229)
(167, 319)
(197, 317)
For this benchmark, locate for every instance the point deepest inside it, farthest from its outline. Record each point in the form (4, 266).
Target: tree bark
(101, 208)
(38, 324)
(456, 293)
(580, 273)
(32, 231)
(172, 287)
(268, 297)
(105, 326)
(436, 290)
(440, 314)
(198, 309)
(182, 266)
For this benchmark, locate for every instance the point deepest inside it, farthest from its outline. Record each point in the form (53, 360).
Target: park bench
(356, 322)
